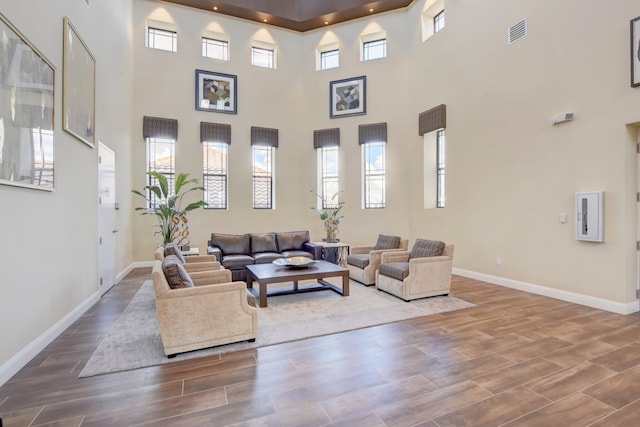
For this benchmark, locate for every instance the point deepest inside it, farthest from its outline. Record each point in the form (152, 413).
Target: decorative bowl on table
(294, 262)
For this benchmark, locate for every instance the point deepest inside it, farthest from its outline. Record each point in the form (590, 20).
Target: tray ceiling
(297, 15)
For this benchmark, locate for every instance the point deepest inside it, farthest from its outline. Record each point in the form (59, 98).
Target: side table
(192, 251)
(336, 253)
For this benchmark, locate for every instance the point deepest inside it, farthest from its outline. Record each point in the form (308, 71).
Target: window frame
(440, 168)
(152, 146)
(331, 53)
(153, 31)
(328, 181)
(220, 176)
(267, 52)
(224, 46)
(266, 176)
(371, 175)
(439, 21)
(370, 45)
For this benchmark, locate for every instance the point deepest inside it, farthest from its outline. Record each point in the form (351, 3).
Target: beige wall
(510, 174)
(49, 255)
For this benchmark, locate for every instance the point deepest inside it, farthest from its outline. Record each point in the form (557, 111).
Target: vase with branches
(329, 212)
(166, 204)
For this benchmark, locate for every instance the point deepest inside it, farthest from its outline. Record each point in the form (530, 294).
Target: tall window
(262, 57)
(330, 59)
(162, 39)
(215, 49)
(440, 165)
(263, 177)
(215, 176)
(374, 171)
(328, 168)
(161, 159)
(374, 49)
(438, 22)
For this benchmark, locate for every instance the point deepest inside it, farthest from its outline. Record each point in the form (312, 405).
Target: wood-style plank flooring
(516, 359)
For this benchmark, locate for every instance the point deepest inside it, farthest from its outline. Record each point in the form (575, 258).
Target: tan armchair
(363, 261)
(215, 311)
(191, 263)
(419, 273)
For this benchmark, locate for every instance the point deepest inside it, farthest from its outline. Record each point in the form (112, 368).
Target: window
(262, 57)
(215, 176)
(438, 22)
(374, 49)
(440, 167)
(329, 59)
(373, 159)
(215, 49)
(161, 159)
(162, 39)
(328, 179)
(263, 177)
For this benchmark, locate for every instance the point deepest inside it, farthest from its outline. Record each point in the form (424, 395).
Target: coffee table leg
(263, 294)
(345, 286)
(295, 285)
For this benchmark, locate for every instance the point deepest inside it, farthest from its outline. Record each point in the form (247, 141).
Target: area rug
(134, 342)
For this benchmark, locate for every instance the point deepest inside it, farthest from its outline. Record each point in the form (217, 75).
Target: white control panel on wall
(589, 216)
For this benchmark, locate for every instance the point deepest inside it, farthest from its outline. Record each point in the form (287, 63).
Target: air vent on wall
(517, 31)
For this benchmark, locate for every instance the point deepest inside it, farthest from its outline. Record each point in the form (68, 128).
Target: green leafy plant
(167, 206)
(330, 216)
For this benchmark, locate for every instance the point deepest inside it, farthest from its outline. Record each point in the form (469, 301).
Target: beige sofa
(363, 261)
(214, 312)
(411, 277)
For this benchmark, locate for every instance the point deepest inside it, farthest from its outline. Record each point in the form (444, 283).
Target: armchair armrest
(358, 250)
(215, 251)
(202, 266)
(375, 256)
(204, 290)
(394, 256)
(200, 258)
(203, 278)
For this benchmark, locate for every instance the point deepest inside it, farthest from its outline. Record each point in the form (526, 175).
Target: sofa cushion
(395, 270)
(263, 242)
(176, 275)
(236, 262)
(231, 244)
(173, 249)
(425, 248)
(292, 240)
(358, 260)
(265, 257)
(387, 242)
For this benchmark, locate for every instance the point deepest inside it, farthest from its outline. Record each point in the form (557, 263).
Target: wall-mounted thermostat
(589, 216)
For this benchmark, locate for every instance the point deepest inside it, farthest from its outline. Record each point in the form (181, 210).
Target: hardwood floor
(516, 359)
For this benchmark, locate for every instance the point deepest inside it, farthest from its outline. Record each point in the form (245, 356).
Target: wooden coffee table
(266, 274)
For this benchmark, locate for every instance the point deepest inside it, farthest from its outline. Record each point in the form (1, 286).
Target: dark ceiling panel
(297, 15)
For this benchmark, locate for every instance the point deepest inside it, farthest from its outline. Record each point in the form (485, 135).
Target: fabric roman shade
(326, 138)
(215, 132)
(375, 132)
(264, 136)
(157, 127)
(433, 119)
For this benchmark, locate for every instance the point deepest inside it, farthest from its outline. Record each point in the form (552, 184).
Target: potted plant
(330, 216)
(167, 206)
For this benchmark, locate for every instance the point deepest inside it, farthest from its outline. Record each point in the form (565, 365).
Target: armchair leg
(252, 340)
(171, 356)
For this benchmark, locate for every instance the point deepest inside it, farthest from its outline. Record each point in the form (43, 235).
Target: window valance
(264, 136)
(375, 132)
(433, 119)
(326, 137)
(157, 127)
(215, 132)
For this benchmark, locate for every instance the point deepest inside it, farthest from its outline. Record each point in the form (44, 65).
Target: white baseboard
(599, 303)
(18, 361)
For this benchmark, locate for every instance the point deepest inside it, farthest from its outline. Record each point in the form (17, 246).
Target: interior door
(107, 216)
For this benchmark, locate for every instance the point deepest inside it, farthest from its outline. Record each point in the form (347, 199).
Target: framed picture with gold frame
(27, 103)
(78, 87)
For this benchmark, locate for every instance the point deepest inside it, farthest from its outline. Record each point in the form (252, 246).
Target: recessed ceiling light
(264, 20)
(215, 7)
(371, 10)
(326, 22)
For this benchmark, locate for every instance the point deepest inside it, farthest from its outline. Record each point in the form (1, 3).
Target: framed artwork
(27, 89)
(635, 52)
(348, 97)
(216, 92)
(78, 87)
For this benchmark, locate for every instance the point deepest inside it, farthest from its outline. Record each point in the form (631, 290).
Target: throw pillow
(176, 275)
(425, 248)
(387, 242)
(173, 249)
